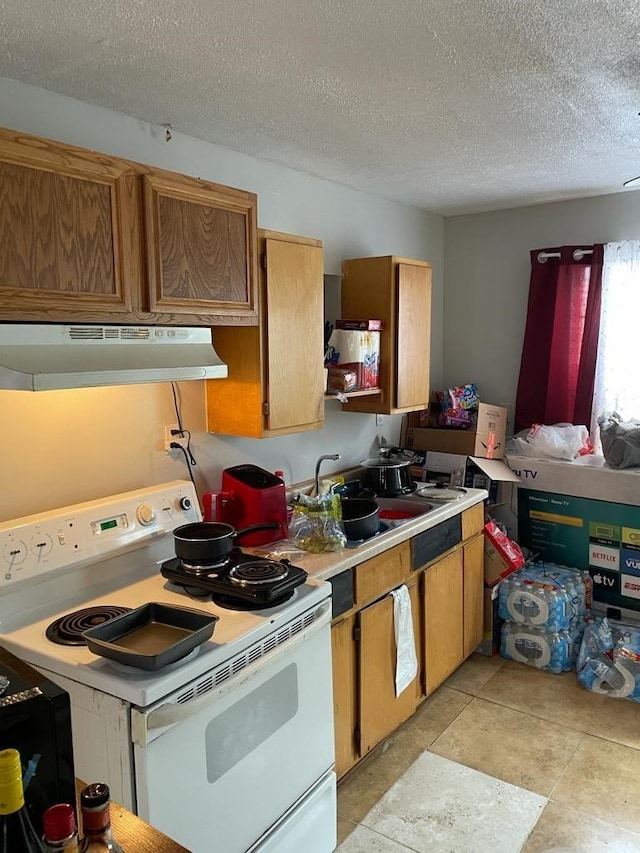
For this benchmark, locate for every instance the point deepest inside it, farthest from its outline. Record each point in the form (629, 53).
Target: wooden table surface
(133, 834)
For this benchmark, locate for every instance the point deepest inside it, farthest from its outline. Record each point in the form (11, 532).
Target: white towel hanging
(406, 660)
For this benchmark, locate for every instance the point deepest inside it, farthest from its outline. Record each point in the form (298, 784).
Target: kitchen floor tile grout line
(578, 728)
(389, 837)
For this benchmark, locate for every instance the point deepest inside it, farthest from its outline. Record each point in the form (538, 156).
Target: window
(617, 383)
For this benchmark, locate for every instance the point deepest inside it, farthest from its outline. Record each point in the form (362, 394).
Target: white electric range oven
(228, 749)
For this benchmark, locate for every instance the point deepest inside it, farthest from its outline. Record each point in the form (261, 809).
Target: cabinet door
(345, 696)
(397, 291)
(276, 376)
(473, 594)
(69, 226)
(443, 618)
(413, 340)
(295, 335)
(381, 711)
(201, 245)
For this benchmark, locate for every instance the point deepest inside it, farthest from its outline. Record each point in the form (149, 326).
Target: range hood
(43, 358)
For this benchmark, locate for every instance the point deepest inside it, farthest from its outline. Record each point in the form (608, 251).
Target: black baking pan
(151, 636)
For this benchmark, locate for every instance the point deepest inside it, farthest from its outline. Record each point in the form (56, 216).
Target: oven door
(222, 760)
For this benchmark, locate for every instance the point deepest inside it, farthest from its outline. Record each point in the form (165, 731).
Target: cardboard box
(361, 325)
(486, 440)
(454, 469)
(584, 477)
(490, 644)
(585, 515)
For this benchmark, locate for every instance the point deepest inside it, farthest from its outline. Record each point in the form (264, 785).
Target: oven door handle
(173, 712)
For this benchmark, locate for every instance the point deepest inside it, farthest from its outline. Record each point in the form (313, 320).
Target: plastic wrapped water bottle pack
(545, 596)
(609, 659)
(556, 651)
(544, 607)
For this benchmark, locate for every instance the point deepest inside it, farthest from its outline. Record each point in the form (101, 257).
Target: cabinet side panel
(344, 694)
(367, 292)
(414, 337)
(473, 594)
(234, 404)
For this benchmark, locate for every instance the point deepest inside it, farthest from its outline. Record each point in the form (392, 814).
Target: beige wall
(66, 447)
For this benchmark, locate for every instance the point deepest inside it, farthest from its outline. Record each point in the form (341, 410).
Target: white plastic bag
(555, 441)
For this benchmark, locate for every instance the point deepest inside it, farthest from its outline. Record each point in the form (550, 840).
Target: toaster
(249, 495)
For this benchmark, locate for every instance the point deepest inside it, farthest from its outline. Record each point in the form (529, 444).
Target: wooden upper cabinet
(91, 238)
(276, 375)
(70, 233)
(413, 341)
(201, 249)
(397, 291)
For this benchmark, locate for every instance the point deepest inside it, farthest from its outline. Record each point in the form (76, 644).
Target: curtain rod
(578, 255)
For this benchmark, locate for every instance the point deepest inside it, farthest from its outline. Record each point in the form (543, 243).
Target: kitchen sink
(395, 512)
(399, 510)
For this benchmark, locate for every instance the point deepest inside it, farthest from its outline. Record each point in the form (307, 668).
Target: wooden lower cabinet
(447, 608)
(453, 610)
(443, 618)
(366, 708)
(381, 711)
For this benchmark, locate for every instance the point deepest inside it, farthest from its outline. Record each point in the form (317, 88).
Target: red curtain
(557, 370)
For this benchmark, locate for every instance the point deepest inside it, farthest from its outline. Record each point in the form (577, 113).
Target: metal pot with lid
(389, 473)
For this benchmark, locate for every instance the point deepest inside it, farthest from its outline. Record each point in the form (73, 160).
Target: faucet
(333, 456)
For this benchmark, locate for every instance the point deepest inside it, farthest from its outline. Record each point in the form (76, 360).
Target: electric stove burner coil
(257, 573)
(204, 568)
(67, 630)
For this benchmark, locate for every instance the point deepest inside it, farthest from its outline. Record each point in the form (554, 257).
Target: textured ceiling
(452, 105)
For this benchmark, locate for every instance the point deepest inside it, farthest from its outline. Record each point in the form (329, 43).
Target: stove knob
(185, 504)
(146, 514)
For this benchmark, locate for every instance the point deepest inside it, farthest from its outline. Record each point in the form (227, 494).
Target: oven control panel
(57, 540)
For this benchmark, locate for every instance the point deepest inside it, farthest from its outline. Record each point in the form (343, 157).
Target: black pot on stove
(389, 473)
(204, 543)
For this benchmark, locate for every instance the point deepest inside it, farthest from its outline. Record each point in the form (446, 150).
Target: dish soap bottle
(60, 830)
(16, 829)
(96, 820)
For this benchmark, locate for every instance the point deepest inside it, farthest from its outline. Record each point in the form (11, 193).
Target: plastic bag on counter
(316, 523)
(554, 441)
(620, 440)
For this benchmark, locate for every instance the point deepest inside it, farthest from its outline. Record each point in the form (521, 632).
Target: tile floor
(501, 758)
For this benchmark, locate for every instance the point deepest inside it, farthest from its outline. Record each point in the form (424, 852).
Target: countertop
(133, 834)
(326, 565)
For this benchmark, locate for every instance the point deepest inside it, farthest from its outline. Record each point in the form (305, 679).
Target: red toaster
(249, 495)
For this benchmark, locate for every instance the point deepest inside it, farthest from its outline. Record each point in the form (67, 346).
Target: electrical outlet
(379, 420)
(169, 438)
